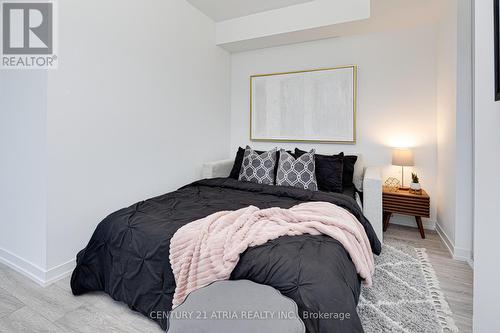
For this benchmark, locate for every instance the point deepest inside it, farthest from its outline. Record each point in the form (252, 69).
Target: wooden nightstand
(406, 203)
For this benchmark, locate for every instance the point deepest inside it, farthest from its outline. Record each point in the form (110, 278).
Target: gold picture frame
(354, 90)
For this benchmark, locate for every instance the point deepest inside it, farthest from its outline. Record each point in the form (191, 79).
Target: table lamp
(402, 158)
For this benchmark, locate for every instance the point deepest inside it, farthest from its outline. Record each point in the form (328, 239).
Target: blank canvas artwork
(316, 105)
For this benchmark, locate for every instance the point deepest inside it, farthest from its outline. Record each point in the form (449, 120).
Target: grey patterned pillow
(298, 172)
(258, 168)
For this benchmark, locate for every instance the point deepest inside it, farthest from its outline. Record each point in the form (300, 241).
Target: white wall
(446, 121)
(396, 95)
(133, 110)
(454, 127)
(23, 187)
(140, 100)
(486, 178)
(464, 139)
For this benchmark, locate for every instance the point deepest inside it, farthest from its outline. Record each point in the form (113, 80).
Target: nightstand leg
(420, 226)
(387, 217)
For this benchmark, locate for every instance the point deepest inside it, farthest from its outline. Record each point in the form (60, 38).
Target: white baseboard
(23, 266)
(39, 275)
(444, 237)
(60, 272)
(457, 253)
(462, 254)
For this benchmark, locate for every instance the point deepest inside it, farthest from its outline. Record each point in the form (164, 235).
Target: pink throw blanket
(207, 250)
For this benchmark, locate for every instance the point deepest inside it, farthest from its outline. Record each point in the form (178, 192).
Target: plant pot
(415, 186)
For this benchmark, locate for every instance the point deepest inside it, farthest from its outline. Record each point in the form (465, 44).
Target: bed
(127, 256)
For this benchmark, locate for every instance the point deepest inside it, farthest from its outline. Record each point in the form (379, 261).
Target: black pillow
(348, 173)
(348, 167)
(329, 171)
(238, 160)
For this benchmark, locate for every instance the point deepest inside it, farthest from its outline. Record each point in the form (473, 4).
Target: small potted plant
(415, 184)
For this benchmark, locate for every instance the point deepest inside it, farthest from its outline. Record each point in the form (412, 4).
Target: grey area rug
(405, 297)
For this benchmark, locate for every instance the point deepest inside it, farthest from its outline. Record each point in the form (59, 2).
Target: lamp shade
(402, 157)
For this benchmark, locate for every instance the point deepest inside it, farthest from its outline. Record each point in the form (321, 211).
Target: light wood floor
(455, 277)
(26, 307)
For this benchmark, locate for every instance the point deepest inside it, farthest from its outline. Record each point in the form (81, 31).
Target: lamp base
(404, 188)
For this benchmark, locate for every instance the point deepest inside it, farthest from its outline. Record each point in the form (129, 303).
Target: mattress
(127, 256)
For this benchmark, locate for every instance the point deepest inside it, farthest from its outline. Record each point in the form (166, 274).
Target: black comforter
(127, 256)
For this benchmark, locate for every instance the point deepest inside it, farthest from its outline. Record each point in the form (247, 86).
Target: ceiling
(385, 15)
(220, 10)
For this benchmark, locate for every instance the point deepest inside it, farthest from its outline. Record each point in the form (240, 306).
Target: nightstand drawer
(408, 208)
(403, 202)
